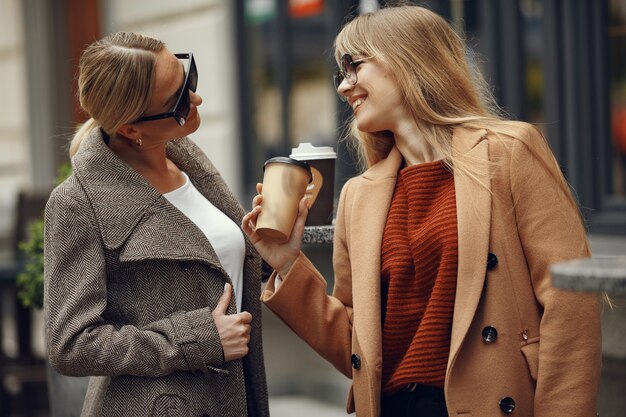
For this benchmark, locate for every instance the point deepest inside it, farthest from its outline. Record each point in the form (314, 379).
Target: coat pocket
(531, 353)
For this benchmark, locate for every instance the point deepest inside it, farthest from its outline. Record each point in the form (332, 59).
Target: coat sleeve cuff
(278, 286)
(197, 336)
(275, 281)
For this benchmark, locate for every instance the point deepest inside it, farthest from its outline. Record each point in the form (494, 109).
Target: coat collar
(463, 141)
(126, 205)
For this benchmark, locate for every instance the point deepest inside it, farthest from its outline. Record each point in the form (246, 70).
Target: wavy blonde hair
(428, 60)
(440, 88)
(115, 82)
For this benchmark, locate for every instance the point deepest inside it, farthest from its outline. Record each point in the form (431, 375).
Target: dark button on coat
(489, 334)
(492, 261)
(507, 405)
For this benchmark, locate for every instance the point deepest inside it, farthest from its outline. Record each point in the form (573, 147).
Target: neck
(413, 146)
(140, 158)
(150, 161)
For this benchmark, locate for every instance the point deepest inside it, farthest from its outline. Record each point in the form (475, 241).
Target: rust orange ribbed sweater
(419, 268)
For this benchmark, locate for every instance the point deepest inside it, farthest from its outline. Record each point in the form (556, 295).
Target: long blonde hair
(440, 88)
(428, 59)
(115, 82)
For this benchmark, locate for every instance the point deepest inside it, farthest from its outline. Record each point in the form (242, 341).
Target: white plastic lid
(306, 151)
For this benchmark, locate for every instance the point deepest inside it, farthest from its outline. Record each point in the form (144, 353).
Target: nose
(195, 98)
(344, 88)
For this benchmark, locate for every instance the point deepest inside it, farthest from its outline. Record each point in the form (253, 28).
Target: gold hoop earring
(138, 142)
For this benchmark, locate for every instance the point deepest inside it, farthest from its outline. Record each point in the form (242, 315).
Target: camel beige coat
(130, 283)
(547, 354)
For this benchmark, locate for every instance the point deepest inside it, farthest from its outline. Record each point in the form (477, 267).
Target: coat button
(507, 405)
(490, 334)
(184, 265)
(356, 361)
(492, 261)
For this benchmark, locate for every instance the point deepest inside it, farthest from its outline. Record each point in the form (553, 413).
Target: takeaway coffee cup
(285, 181)
(321, 190)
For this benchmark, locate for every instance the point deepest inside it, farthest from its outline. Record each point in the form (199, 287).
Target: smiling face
(168, 82)
(376, 99)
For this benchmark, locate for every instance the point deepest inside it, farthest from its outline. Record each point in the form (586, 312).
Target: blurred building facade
(265, 69)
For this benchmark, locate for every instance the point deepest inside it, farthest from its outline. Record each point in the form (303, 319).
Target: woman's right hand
(234, 329)
(279, 256)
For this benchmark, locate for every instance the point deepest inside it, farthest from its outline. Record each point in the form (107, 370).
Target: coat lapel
(373, 192)
(473, 203)
(131, 215)
(166, 233)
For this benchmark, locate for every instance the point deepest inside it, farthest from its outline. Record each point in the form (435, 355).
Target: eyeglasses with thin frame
(180, 111)
(347, 72)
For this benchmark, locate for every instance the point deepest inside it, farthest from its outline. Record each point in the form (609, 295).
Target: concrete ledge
(318, 234)
(602, 274)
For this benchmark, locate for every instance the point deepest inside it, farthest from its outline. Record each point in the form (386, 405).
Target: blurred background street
(265, 75)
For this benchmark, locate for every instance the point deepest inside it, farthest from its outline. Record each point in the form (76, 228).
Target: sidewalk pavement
(301, 406)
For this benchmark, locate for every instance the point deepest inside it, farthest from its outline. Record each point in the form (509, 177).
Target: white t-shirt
(225, 236)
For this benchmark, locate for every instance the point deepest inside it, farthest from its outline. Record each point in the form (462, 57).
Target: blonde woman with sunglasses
(442, 303)
(150, 286)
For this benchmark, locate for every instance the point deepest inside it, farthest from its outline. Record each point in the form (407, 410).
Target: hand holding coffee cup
(279, 255)
(285, 181)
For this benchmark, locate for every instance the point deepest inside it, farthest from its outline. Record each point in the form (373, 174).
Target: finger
(257, 200)
(248, 222)
(304, 204)
(245, 317)
(246, 225)
(259, 188)
(222, 304)
(303, 211)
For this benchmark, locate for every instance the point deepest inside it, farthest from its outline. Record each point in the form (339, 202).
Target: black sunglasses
(347, 71)
(180, 111)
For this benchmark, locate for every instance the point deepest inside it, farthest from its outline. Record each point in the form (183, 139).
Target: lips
(356, 103)
(192, 116)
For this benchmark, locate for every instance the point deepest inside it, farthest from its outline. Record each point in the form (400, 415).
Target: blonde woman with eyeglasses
(442, 302)
(151, 288)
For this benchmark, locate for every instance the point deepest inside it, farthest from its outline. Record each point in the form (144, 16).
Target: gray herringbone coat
(130, 283)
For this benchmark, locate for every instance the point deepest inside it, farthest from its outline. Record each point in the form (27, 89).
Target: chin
(366, 127)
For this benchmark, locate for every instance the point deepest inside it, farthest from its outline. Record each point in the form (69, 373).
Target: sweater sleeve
(80, 341)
